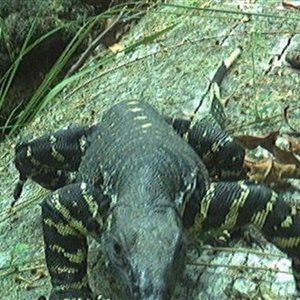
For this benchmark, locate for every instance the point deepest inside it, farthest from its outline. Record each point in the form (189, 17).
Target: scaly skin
(142, 191)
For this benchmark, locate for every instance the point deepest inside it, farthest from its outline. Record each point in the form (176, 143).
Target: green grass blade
(36, 101)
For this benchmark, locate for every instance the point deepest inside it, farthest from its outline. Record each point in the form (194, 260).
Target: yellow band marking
(79, 257)
(147, 125)
(233, 213)
(287, 222)
(287, 242)
(57, 156)
(133, 102)
(78, 225)
(61, 228)
(140, 118)
(260, 217)
(136, 109)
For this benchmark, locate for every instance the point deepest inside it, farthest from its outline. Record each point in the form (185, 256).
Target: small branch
(240, 267)
(93, 46)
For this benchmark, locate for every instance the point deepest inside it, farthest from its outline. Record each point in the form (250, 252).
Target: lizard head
(146, 253)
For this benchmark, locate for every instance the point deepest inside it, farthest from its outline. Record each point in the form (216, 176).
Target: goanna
(137, 187)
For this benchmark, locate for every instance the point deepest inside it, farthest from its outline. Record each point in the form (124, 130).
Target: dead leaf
(251, 142)
(291, 4)
(294, 145)
(258, 170)
(285, 157)
(268, 142)
(116, 48)
(269, 171)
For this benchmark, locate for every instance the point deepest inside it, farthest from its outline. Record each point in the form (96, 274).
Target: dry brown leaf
(285, 163)
(285, 157)
(116, 48)
(258, 170)
(251, 142)
(268, 142)
(270, 171)
(291, 4)
(294, 145)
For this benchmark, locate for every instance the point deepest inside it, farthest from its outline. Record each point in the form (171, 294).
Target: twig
(240, 267)
(93, 45)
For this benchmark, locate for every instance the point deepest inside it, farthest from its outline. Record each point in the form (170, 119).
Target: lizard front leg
(50, 159)
(69, 215)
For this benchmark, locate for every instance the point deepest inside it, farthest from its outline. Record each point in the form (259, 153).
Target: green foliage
(38, 100)
(45, 94)
(49, 87)
(8, 77)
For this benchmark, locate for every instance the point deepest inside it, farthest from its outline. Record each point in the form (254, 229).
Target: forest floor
(172, 73)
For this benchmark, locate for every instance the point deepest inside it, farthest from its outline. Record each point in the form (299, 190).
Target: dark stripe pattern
(51, 160)
(69, 215)
(221, 154)
(117, 152)
(228, 205)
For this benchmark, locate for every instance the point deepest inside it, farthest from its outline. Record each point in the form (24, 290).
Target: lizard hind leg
(227, 205)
